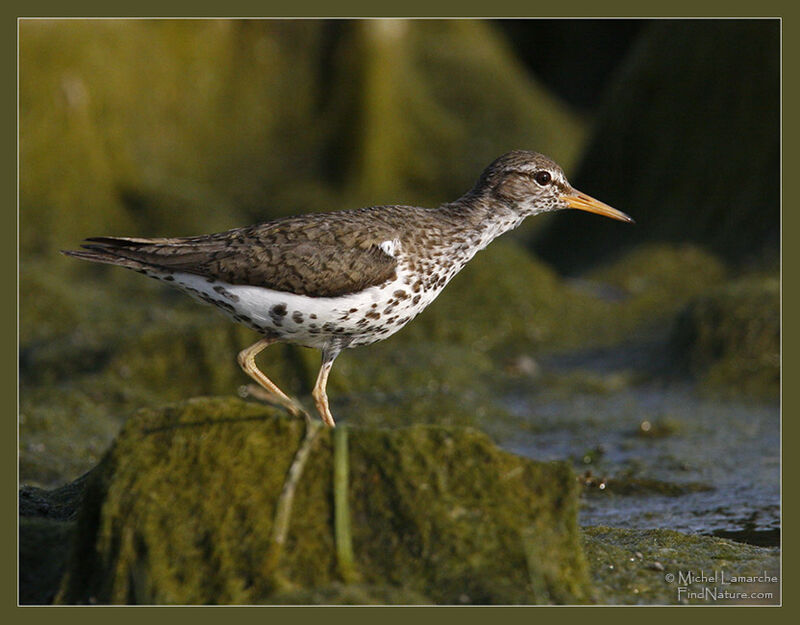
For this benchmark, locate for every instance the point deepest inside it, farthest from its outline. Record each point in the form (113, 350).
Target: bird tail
(121, 251)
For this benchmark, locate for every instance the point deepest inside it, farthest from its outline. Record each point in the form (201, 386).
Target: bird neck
(481, 219)
(472, 222)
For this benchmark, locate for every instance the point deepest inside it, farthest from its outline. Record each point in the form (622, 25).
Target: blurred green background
(170, 128)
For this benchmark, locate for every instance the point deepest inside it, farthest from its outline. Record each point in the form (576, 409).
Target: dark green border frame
(415, 8)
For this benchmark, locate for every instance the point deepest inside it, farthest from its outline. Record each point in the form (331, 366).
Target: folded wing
(306, 255)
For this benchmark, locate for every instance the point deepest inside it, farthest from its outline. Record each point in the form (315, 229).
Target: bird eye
(542, 178)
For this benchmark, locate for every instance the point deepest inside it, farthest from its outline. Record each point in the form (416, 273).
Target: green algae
(625, 485)
(181, 512)
(730, 338)
(652, 282)
(626, 566)
(631, 566)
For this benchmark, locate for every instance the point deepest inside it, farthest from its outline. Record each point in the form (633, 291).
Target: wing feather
(319, 255)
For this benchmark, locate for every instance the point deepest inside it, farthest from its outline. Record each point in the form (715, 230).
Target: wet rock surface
(666, 567)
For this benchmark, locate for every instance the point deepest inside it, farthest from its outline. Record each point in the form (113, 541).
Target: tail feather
(127, 252)
(177, 254)
(135, 241)
(100, 255)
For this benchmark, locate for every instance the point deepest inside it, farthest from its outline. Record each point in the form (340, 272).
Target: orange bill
(584, 202)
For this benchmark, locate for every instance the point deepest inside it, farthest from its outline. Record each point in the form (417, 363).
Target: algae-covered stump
(183, 510)
(730, 338)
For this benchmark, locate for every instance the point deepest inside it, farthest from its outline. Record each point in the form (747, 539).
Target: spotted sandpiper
(339, 280)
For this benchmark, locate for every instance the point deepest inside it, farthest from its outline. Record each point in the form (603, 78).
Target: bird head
(530, 183)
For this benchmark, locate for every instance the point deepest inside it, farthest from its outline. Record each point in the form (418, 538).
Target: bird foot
(292, 406)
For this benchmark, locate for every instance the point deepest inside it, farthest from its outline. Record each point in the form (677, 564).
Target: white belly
(357, 319)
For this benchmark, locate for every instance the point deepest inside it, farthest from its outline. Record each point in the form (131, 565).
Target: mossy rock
(649, 285)
(182, 511)
(46, 533)
(661, 272)
(642, 566)
(731, 338)
(44, 548)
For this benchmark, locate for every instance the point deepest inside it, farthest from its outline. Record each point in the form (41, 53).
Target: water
(724, 452)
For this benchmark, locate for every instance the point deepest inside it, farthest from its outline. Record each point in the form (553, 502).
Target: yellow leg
(247, 361)
(319, 393)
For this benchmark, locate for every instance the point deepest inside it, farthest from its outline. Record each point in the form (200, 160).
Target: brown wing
(319, 255)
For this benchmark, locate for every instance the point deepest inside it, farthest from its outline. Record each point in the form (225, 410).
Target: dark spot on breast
(374, 305)
(415, 301)
(313, 315)
(297, 317)
(277, 313)
(373, 315)
(328, 327)
(400, 294)
(352, 310)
